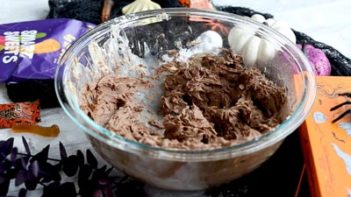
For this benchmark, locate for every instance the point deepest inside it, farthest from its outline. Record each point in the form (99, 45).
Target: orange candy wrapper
(205, 5)
(327, 145)
(19, 113)
(199, 4)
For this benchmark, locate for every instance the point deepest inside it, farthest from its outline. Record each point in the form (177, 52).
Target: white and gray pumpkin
(254, 49)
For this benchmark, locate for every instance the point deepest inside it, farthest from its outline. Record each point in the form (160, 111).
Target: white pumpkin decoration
(140, 5)
(254, 49)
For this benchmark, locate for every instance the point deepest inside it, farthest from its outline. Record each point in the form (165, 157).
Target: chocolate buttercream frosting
(210, 101)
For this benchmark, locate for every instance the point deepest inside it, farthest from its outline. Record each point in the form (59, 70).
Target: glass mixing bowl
(149, 35)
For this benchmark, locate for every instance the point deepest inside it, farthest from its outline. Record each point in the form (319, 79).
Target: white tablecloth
(325, 20)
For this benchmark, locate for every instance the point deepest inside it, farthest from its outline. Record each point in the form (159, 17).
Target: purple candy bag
(31, 50)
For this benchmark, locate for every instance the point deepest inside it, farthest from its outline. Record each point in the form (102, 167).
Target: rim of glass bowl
(117, 141)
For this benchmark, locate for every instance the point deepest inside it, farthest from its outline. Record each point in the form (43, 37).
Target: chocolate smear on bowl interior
(211, 101)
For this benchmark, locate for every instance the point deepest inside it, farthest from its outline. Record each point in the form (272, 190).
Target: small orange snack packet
(199, 4)
(17, 113)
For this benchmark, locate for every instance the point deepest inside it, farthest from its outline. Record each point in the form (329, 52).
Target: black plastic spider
(347, 94)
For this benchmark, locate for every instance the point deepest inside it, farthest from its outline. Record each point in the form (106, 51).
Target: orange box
(327, 145)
